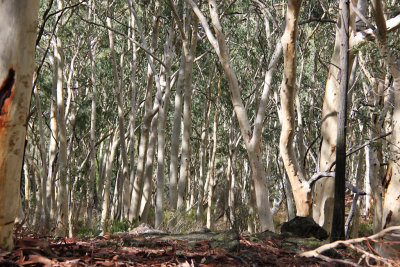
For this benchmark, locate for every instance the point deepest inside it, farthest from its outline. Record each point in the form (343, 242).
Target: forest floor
(162, 249)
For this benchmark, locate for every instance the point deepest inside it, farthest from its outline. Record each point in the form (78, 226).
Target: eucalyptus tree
(16, 69)
(251, 137)
(391, 184)
(151, 108)
(323, 189)
(301, 188)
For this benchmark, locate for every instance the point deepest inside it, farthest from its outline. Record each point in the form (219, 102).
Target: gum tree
(18, 23)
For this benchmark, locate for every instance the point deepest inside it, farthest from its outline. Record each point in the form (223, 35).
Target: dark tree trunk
(337, 232)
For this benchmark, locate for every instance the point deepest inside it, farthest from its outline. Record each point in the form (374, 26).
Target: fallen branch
(350, 243)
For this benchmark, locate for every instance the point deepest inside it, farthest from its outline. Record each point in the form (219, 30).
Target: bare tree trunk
(119, 97)
(91, 185)
(137, 189)
(337, 230)
(210, 212)
(391, 183)
(105, 214)
(52, 170)
(132, 119)
(162, 117)
(323, 190)
(62, 198)
(301, 188)
(148, 171)
(176, 131)
(43, 170)
(358, 178)
(189, 50)
(252, 139)
(16, 69)
(203, 159)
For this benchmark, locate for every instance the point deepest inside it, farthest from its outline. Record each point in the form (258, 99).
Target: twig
(317, 252)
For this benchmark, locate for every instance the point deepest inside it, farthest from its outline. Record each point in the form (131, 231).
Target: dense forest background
(187, 114)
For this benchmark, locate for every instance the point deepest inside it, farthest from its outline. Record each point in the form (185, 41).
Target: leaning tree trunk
(251, 137)
(18, 21)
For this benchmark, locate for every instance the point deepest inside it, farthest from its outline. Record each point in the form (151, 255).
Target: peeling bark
(300, 187)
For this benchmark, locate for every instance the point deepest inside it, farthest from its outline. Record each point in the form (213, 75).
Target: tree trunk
(149, 113)
(252, 140)
(337, 232)
(323, 190)
(189, 50)
(162, 117)
(43, 170)
(62, 197)
(91, 188)
(18, 23)
(301, 188)
(148, 171)
(105, 213)
(132, 117)
(203, 158)
(210, 222)
(119, 96)
(391, 183)
(176, 131)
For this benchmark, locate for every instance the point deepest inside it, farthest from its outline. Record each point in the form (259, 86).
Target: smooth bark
(300, 187)
(337, 232)
(18, 21)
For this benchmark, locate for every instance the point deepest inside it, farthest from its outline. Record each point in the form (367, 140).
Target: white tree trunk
(105, 214)
(189, 50)
(301, 188)
(252, 139)
(210, 212)
(162, 117)
(323, 190)
(176, 131)
(18, 21)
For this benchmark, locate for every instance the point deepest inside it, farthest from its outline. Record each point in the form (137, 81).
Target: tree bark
(91, 188)
(176, 131)
(162, 117)
(137, 189)
(105, 213)
(189, 50)
(323, 190)
(18, 23)
(210, 219)
(62, 197)
(119, 96)
(391, 183)
(337, 232)
(300, 187)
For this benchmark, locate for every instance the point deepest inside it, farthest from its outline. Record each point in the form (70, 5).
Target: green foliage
(365, 229)
(83, 231)
(120, 226)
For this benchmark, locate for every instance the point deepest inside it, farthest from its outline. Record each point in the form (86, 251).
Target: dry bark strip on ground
(194, 249)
